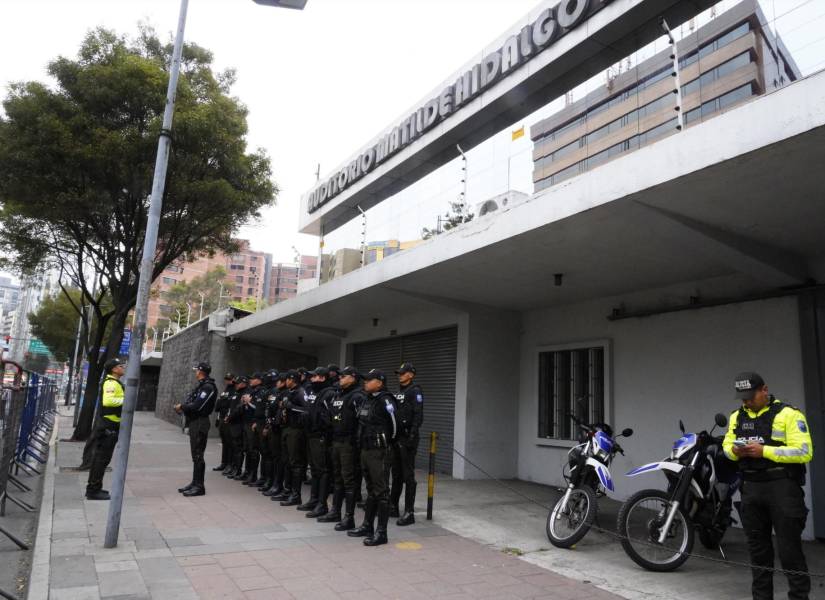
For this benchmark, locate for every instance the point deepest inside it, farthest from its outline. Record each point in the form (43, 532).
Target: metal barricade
(27, 410)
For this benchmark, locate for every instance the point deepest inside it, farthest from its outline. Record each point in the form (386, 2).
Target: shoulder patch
(203, 394)
(419, 398)
(390, 406)
(802, 426)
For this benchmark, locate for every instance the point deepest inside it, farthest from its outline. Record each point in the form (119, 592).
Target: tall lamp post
(145, 280)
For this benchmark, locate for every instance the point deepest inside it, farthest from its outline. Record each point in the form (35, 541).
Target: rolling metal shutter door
(434, 355)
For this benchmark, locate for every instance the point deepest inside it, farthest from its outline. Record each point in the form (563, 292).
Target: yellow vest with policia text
(112, 402)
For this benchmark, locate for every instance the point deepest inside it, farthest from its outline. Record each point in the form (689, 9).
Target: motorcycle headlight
(602, 455)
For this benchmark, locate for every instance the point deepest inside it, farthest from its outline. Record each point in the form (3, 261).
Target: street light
(150, 241)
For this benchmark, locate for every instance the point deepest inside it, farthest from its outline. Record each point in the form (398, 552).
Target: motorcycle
(658, 527)
(589, 476)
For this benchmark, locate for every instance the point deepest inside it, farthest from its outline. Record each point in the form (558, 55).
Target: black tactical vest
(760, 429)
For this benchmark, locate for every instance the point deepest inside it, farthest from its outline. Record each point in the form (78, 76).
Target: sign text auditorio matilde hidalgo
(551, 24)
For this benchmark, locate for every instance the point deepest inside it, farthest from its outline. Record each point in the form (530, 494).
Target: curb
(39, 580)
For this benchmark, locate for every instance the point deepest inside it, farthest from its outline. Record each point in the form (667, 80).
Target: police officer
(197, 409)
(234, 419)
(274, 439)
(222, 408)
(107, 428)
(250, 436)
(410, 415)
(334, 374)
(293, 419)
(262, 399)
(376, 431)
(318, 433)
(344, 416)
(771, 443)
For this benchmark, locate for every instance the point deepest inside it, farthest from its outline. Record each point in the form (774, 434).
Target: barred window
(571, 381)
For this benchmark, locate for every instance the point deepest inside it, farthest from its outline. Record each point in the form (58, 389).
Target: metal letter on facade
(490, 68)
(570, 13)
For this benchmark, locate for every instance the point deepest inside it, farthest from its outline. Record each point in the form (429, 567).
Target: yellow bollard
(431, 476)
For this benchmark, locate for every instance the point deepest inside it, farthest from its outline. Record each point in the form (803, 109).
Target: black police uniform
(410, 415)
(197, 409)
(234, 420)
(293, 418)
(250, 438)
(376, 433)
(318, 433)
(272, 440)
(261, 399)
(104, 436)
(279, 419)
(344, 417)
(222, 410)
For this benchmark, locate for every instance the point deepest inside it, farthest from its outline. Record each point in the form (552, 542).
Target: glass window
(239, 278)
(570, 382)
(169, 281)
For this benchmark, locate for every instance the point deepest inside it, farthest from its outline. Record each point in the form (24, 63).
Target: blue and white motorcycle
(658, 527)
(588, 477)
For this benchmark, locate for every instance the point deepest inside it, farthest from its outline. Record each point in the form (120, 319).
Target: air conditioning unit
(500, 202)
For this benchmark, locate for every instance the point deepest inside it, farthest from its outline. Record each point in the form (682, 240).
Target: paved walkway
(235, 543)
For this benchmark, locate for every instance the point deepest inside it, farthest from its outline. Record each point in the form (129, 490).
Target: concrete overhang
(151, 359)
(738, 194)
(608, 36)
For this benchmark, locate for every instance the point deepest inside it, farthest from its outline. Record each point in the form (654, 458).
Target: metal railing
(27, 411)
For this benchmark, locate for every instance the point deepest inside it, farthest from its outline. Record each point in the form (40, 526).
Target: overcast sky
(322, 82)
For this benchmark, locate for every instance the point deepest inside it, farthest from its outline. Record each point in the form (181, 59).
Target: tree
(190, 291)
(37, 362)
(55, 322)
(459, 213)
(76, 166)
(249, 305)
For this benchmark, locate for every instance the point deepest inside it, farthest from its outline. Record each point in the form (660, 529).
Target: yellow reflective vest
(788, 439)
(112, 400)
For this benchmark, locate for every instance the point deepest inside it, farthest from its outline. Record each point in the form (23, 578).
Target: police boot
(395, 497)
(348, 522)
(228, 471)
(220, 467)
(277, 480)
(409, 506)
(187, 487)
(313, 496)
(334, 515)
(366, 528)
(253, 471)
(295, 497)
(380, 536)
(321, 508)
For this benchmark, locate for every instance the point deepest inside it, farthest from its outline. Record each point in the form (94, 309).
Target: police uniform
(197, 409)
(273, 435)
(318, 434)
(234, 420)
(293, 419)
(250, 436)
(376, 432)
(222, 410)
(261, 400)
(344, 417)
(772, 494)
(106, 431)
(410, 415)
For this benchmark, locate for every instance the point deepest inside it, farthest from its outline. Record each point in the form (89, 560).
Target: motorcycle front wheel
(569, 522)
(641, 519)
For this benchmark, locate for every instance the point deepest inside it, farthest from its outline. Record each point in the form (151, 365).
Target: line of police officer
(346, 427)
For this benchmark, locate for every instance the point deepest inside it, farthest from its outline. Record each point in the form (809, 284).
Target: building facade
(9, 294)
(284, 278)
(728, 61)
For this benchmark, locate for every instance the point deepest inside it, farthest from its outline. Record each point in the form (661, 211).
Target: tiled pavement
(234, 543)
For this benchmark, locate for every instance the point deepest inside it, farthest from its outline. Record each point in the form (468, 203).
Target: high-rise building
(730, 60)
(9, 294)
(247, 277)
(284, 278)
(341, 262)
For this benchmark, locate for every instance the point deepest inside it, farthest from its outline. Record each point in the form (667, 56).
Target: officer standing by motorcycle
(344, 417)
(197, 409)
(222, 408)
(234, 419)
(771, 443)
(410, 415)
(318, 432)
(293, 419)
(376, 432)
(107, 428)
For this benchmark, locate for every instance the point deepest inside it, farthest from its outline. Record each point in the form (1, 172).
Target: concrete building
(9, 294)
(247, 277)
(285, 277)
(339, 263)
(731, 60)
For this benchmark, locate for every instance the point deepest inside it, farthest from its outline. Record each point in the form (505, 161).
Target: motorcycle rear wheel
(568, 524)
(640, 521)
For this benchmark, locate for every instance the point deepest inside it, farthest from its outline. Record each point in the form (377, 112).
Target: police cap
(256, 375)
(334, 369)
(376, 374)
(203, 366)
(406, 367)
(243, 379)
(228, 376)
(320, 372)
(351, 371)
(293, 374)
(111, 364)
(747, 384)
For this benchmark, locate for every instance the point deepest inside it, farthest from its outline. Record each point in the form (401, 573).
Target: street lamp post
(145, 280)
(203, 296)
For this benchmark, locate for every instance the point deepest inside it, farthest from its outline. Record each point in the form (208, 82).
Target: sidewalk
(235, 543)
